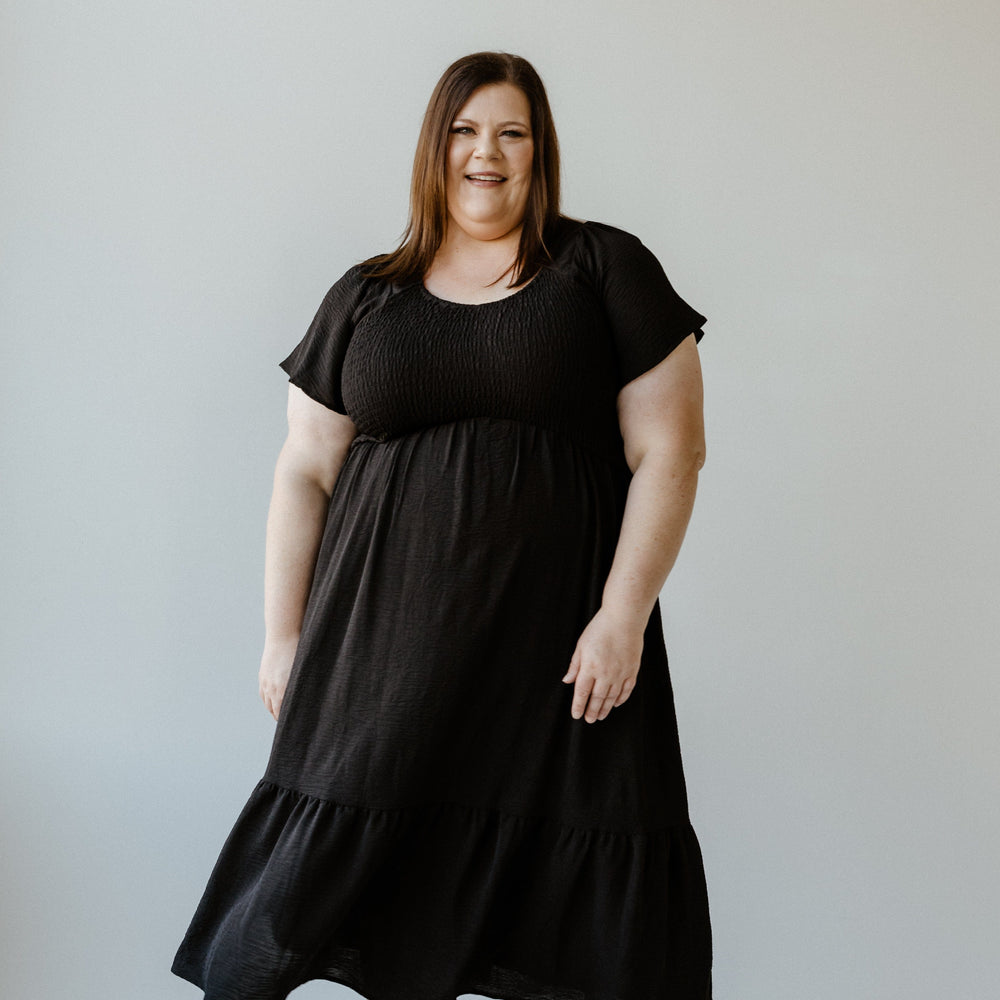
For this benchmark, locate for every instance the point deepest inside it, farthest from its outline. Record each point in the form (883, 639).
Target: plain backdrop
(181, 183)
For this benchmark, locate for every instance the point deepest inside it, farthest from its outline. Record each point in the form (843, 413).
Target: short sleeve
(315, 364)
(648, 318)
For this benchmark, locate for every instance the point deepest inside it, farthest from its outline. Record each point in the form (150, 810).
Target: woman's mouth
(485, 180)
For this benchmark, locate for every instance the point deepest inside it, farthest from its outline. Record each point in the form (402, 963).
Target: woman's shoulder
(358, 289)
(592, 229)
(594, 245)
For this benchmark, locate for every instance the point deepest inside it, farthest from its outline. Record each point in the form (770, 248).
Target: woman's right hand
(275, 667)
(307, 469)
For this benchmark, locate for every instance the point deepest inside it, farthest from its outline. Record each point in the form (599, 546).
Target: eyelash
(459, 129)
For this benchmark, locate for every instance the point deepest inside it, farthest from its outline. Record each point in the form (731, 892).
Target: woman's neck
(478, 261)
(473, 270)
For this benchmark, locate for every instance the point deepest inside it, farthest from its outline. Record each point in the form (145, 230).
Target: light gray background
(181, 183)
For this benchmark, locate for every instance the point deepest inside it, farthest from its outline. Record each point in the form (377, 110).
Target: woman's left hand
(604, 665)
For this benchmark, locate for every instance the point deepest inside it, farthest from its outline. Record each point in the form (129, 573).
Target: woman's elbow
(700, 455)
(311, 464)
(686, 456)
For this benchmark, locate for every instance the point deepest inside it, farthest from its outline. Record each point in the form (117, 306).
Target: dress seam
(661, 828)
(385, 438)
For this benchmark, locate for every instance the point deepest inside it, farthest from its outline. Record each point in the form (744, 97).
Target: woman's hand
(660, 414)
(307, 469)
(604, 665)
(275, 667)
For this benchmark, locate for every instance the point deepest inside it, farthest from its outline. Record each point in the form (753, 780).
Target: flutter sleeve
(648, 318)
(315, 364)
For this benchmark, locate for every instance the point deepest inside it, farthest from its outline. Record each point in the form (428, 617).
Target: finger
(625, 692)
(597, 699)
(610, 702)
(580, 696)
(574, 667)
(269, 702)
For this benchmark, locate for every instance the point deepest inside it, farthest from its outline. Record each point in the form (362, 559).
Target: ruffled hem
(431, 902)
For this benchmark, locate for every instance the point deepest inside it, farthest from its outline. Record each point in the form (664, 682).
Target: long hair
(428, 215)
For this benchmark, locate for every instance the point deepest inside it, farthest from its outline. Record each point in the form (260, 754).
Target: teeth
(484, 177)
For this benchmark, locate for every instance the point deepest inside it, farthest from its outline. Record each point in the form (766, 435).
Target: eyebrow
(472, 121)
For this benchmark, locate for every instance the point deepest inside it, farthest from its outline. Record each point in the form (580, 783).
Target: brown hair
(425, 227)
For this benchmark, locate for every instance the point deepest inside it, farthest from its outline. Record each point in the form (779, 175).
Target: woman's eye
(512, 133)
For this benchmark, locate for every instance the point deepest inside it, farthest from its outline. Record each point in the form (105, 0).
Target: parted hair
(428, 214)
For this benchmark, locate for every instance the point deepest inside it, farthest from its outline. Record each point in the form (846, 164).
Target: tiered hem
(431, 902)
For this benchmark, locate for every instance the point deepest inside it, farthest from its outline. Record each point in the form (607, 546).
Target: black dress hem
(460, 896)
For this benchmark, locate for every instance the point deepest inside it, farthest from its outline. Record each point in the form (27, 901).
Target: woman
(495, 433)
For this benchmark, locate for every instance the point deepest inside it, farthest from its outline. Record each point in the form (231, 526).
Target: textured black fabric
(432, 821)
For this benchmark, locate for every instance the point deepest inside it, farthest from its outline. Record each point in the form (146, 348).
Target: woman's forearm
(657, 511)
(295, 524)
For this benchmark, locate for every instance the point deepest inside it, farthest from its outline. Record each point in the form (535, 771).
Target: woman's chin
(486, 225)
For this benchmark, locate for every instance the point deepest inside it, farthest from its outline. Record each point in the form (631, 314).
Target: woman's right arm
(307, 467)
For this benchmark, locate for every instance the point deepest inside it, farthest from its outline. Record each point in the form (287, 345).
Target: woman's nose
(486, 147)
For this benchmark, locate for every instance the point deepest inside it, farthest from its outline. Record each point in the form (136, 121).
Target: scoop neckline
(428, 294)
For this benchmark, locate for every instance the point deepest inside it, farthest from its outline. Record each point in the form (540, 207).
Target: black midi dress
(432, 820)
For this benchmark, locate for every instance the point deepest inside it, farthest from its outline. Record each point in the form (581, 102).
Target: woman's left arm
(661, 418)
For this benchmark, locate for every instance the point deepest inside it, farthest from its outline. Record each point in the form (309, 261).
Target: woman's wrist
(274, 639)
(629, 617)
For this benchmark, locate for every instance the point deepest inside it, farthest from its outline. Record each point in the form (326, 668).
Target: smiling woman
(486, 109)
(490, 157)
(490, 152)
(475, 782)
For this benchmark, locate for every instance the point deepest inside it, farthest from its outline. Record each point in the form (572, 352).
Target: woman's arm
(307, 468)
(662, 424)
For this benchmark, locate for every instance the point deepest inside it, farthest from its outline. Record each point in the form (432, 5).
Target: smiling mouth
(490, 178)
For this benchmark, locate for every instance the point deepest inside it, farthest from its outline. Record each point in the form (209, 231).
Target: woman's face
(490, 152)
